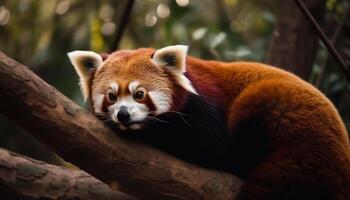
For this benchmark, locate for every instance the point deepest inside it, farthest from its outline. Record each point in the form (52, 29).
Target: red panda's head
(131, 87)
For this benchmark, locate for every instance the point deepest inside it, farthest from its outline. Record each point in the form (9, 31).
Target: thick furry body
(288, 140)
(274, 130)
(268, 126)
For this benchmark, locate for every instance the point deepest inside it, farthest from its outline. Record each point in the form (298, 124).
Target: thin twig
(332, 50)
(122, 25)
(334, 39)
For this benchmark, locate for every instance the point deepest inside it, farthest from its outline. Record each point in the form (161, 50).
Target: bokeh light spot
(182, 3)
(163, 10)
(5, 16)
(150, 19)
(62, 7)
(108, 28)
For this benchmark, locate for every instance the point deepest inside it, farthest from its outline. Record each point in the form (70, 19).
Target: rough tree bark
(25, 178)
(294, 42)
(78, 137)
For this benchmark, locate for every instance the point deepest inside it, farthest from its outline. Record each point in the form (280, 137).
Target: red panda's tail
(291, 143)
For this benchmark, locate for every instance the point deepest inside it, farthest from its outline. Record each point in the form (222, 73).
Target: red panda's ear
(84, 63)
(173, 58)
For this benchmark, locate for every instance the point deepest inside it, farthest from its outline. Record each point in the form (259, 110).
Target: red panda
(281, 135)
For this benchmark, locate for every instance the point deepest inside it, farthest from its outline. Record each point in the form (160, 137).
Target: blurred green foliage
(39, 33)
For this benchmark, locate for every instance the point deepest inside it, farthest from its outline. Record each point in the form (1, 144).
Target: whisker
(103, 116)
(176, 112)
(108, 122)
(179, 113)
(156, 119)
(185, 121)
(101, 113)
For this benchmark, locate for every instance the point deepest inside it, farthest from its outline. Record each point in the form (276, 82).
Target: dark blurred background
(39, 33)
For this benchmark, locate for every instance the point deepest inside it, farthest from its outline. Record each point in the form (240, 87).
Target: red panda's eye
(111, 97)
(139, 95)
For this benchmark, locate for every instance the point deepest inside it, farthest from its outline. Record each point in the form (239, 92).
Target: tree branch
(80, 138)
(334, 39)
(25, 178)
(329, 45)
(122, 25)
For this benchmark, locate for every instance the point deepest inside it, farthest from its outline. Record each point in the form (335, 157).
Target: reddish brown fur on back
(308, 145)
(206, 84)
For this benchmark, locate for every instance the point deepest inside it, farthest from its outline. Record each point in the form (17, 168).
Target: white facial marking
(133, 85)
(135, 126)
(114, 86)
(122, 127)
(97, 98)
(137, 111)
(161, 101)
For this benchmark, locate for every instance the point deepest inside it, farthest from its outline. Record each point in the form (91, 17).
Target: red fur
(206, 85)
(289, 140)
(104, 56)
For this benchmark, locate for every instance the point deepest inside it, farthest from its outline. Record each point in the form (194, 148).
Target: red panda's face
(131, 88)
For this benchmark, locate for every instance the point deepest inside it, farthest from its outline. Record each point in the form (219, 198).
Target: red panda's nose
(123, 115)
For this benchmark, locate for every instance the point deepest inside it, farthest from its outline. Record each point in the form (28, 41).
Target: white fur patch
(161, 101)
(135, 126)
(185, 83)
(133, 85)
(122, 127)
(137, 110)
(114, 87)
(97, 99)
